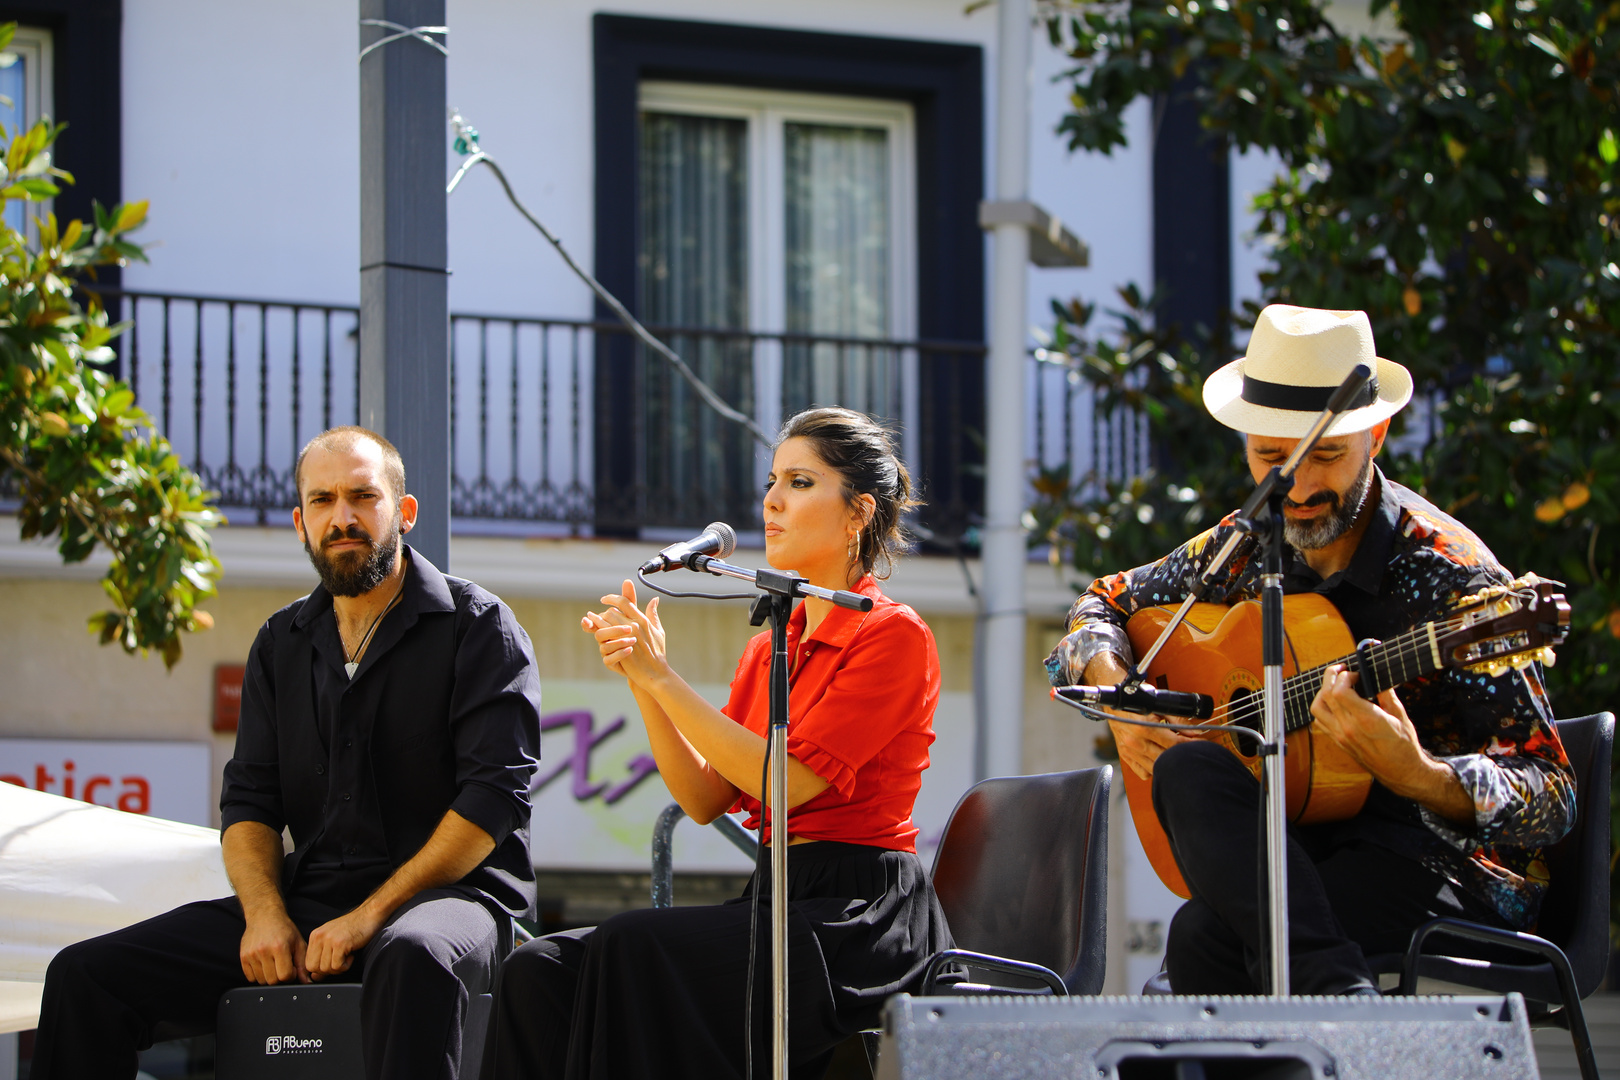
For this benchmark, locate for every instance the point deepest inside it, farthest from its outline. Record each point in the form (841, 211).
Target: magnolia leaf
(131, 215)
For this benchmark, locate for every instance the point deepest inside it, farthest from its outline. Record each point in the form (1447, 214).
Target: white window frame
(767, 112)
(33, 45)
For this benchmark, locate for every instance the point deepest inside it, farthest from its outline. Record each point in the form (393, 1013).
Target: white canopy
(71, 870)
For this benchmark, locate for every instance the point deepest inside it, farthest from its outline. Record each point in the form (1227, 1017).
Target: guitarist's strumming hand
(1139, 746)
(1381, 738)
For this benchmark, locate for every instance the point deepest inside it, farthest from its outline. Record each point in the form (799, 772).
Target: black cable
(1093, 712)
(642, 577)
(753, 919)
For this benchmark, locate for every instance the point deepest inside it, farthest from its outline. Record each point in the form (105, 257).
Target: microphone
(719, 540)
(1143, 699)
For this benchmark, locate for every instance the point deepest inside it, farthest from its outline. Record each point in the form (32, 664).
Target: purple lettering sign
(586, 739)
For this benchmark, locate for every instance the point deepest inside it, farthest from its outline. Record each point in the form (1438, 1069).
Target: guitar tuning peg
(1493, 667)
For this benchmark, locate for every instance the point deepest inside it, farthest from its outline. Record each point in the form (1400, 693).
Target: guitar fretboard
(1388, 664)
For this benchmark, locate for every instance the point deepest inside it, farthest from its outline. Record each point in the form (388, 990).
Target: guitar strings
(1300, 689)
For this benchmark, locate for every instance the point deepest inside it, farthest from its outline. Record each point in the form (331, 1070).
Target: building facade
(789, 190)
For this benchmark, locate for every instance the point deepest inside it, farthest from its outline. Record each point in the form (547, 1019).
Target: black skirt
(660, 993)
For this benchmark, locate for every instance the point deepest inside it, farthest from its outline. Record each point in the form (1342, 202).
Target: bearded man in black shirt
(390, 724)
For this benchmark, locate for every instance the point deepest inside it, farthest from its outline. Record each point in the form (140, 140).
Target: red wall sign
(227, 695)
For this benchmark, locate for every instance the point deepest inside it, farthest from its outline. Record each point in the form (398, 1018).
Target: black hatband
(1312, 399)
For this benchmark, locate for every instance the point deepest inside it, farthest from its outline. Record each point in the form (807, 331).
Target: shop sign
(597, 792)
(164, 779)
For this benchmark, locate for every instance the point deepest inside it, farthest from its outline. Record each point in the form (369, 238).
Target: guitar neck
(1408, 656)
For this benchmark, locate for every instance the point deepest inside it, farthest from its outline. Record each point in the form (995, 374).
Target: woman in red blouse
(660, 993)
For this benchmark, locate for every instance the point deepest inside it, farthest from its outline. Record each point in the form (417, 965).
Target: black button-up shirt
(442, 714)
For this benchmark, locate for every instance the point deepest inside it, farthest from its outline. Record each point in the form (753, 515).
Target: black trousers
(104, 997)
(660, 994)
(1347, 898)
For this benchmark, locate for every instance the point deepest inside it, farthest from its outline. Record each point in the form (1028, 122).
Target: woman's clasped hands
(631, 640)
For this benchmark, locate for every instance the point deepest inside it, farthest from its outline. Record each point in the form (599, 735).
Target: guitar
(1216, 651)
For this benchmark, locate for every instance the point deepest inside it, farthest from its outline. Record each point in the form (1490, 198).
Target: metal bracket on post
(1051, 244)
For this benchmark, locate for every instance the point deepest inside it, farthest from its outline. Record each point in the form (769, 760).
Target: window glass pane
(695, 465)
(13, 84)
(838, 265)
(694, 220)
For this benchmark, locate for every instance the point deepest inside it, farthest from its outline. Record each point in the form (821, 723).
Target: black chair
(1022, 873)
(1565, 960)
(663, 855)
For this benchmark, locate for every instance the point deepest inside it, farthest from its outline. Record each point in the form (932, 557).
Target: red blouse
(861, 702)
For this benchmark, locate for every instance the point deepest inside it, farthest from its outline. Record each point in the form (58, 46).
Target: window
(770, 211)
(740, 94)
(25, 83)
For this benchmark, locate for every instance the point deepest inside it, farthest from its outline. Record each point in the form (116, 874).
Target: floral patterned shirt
(1413, 563)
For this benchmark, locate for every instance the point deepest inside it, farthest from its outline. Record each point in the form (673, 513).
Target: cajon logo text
(291, 1044)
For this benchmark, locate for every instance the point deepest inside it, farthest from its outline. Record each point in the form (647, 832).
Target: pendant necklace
(351, 666)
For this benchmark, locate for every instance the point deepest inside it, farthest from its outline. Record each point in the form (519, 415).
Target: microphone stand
(775, 605)
(1261, 521)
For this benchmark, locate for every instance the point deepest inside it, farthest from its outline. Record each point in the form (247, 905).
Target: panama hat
(1297, 357)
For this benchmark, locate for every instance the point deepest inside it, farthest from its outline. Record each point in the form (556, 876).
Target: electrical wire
(467, 143)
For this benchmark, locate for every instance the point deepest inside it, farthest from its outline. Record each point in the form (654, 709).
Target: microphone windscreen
(727, 535)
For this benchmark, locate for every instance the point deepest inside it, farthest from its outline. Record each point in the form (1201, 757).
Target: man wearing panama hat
(1471, 780)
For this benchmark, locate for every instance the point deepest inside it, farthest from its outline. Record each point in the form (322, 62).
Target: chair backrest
(1022, 872)
(1575, 911)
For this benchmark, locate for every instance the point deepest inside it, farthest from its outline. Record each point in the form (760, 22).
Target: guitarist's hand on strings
(1139, 746)
(1380, 737)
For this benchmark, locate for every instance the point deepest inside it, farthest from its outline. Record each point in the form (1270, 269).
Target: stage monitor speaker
(1214, 1038)
(292, 1032)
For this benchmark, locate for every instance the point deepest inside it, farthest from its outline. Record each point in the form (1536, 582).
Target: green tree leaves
(1456, 182)
(89, 465)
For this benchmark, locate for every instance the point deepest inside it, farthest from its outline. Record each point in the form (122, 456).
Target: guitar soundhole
(1240, 714)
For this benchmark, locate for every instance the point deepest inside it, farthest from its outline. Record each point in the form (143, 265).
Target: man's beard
(1342, 513)
(359, 570)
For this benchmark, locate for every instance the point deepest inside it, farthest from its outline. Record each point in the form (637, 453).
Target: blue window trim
(86, 41)
(1192, 220)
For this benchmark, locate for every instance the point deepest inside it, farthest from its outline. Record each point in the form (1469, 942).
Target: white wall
(1251, 173)
(1106, 200)
(242, 130)
(241, 126)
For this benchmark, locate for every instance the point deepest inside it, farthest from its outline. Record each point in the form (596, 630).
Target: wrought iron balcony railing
(565, 426)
